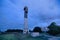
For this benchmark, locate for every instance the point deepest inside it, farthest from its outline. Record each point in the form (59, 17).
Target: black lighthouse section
(25, 11)
(25, 15)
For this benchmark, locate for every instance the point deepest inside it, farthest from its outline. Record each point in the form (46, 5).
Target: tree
(30, 31)
(53, 24)
(53, 29)
(14, 30)
(37, 29)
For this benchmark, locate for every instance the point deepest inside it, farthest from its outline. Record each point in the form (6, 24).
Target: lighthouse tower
(25, 31)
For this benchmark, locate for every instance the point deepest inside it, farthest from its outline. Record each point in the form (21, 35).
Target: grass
(18, 36)
(8, 37)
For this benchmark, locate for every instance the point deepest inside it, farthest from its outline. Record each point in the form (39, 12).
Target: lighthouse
(25, 31)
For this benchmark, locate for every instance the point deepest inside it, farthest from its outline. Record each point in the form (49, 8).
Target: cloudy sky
(41, 13)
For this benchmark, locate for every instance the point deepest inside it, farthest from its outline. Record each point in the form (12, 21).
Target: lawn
(8, 37)
(18, 36)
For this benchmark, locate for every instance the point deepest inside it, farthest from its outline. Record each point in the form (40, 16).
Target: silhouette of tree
(37, 29)
(30, 31)
(52, 25)
(53, 29)
(14, 30)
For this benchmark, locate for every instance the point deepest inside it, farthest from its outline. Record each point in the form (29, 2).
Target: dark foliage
(14, 30)
(37, 29)
(53, 29)
(30, 31)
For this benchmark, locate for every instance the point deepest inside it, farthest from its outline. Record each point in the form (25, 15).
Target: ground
(19, 36)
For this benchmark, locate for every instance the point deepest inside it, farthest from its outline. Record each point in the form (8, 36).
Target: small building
(35, 34)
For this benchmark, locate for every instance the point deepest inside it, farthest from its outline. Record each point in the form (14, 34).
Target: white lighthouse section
(25, 26)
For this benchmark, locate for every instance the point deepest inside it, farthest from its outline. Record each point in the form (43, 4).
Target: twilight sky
(41, 13)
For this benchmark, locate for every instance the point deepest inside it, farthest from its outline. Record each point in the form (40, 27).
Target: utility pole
(25, 31)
